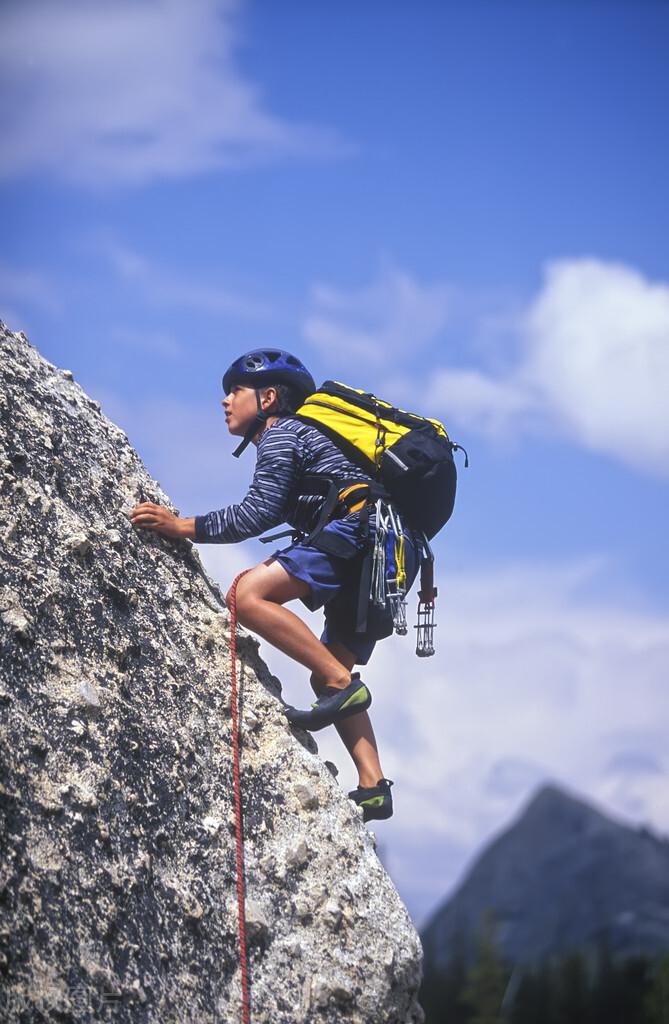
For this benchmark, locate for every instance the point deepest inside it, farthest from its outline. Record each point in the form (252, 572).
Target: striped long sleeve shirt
(288, 453)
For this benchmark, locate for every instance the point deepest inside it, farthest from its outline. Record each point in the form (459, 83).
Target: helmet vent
(254, 362)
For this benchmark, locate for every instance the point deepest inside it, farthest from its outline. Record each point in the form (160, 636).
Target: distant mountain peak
(552, 793)
(563, 876)
(554, 806)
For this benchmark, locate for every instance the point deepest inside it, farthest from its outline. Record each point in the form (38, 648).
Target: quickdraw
(388, 576)
(396, 585)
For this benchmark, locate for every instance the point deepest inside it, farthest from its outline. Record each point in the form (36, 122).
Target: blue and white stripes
(288, 453)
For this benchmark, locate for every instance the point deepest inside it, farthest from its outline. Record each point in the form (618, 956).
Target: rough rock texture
(564, 877)
(117, 879)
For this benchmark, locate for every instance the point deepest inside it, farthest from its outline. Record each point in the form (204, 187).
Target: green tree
(657, 1001)
(573, 1002)
(619, 990)
(487, 979)
(534, 1001)
(441, 993)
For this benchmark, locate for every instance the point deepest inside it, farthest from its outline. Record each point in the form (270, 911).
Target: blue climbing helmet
(260, 368)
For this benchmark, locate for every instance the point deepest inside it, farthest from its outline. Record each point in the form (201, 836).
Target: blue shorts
(334, 584)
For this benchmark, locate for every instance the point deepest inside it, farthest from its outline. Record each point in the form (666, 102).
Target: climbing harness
(239, 826)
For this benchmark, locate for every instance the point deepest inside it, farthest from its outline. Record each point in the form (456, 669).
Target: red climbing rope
(239, 831)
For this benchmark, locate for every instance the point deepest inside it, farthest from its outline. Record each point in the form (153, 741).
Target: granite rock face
(118, 872)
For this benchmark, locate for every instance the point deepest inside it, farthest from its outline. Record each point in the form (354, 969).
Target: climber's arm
(278, 463)
(155, 517)
(266, 503)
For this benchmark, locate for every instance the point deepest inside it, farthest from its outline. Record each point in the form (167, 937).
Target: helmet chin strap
(258, 422)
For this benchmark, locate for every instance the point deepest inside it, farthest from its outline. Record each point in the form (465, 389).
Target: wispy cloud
(155, 343)
(168, 288)
(392, 320)
(483, 403)
(128, 92)
(513, 777)
(24, 290)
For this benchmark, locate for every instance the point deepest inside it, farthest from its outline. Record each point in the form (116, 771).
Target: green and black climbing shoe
(376, 801)
(333, 705)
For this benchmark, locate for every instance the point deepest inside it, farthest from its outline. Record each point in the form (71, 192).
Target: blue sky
(460, 207)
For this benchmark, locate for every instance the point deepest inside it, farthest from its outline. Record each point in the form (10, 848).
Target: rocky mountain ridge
(563, 877)
(118, 873)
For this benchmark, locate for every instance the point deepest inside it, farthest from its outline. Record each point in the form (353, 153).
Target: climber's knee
(244, 599)
(268, 581)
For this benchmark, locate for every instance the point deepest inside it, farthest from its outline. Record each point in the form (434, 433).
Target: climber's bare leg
(260, 598)
(356, 732)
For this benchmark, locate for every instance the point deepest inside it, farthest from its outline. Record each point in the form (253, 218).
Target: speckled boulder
(118, 868)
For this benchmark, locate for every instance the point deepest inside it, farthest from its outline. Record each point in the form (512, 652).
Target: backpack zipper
(391, 455)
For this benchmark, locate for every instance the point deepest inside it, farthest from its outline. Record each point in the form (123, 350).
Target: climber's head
(262, 384)
(241, 407)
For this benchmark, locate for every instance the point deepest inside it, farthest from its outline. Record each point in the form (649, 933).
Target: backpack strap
(339, 502)
(341, 498)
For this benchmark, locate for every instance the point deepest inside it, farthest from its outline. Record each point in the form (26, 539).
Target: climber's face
(241, 407)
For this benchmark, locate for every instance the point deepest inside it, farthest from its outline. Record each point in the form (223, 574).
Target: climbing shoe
(376, 801)
(332, 706)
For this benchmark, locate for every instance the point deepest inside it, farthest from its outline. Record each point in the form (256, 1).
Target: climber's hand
(148, 516)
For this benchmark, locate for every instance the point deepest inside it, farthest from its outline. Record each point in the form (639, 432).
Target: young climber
(263, 389)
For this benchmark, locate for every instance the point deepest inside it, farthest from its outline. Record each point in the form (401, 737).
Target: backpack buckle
(348, 501)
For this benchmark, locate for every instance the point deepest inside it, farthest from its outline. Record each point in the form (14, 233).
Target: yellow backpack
(409, 455)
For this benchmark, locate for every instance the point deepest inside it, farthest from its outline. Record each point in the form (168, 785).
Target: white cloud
(132, 91)
(595, 367)
(599, 354)
(389, 321)
(481, 402)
